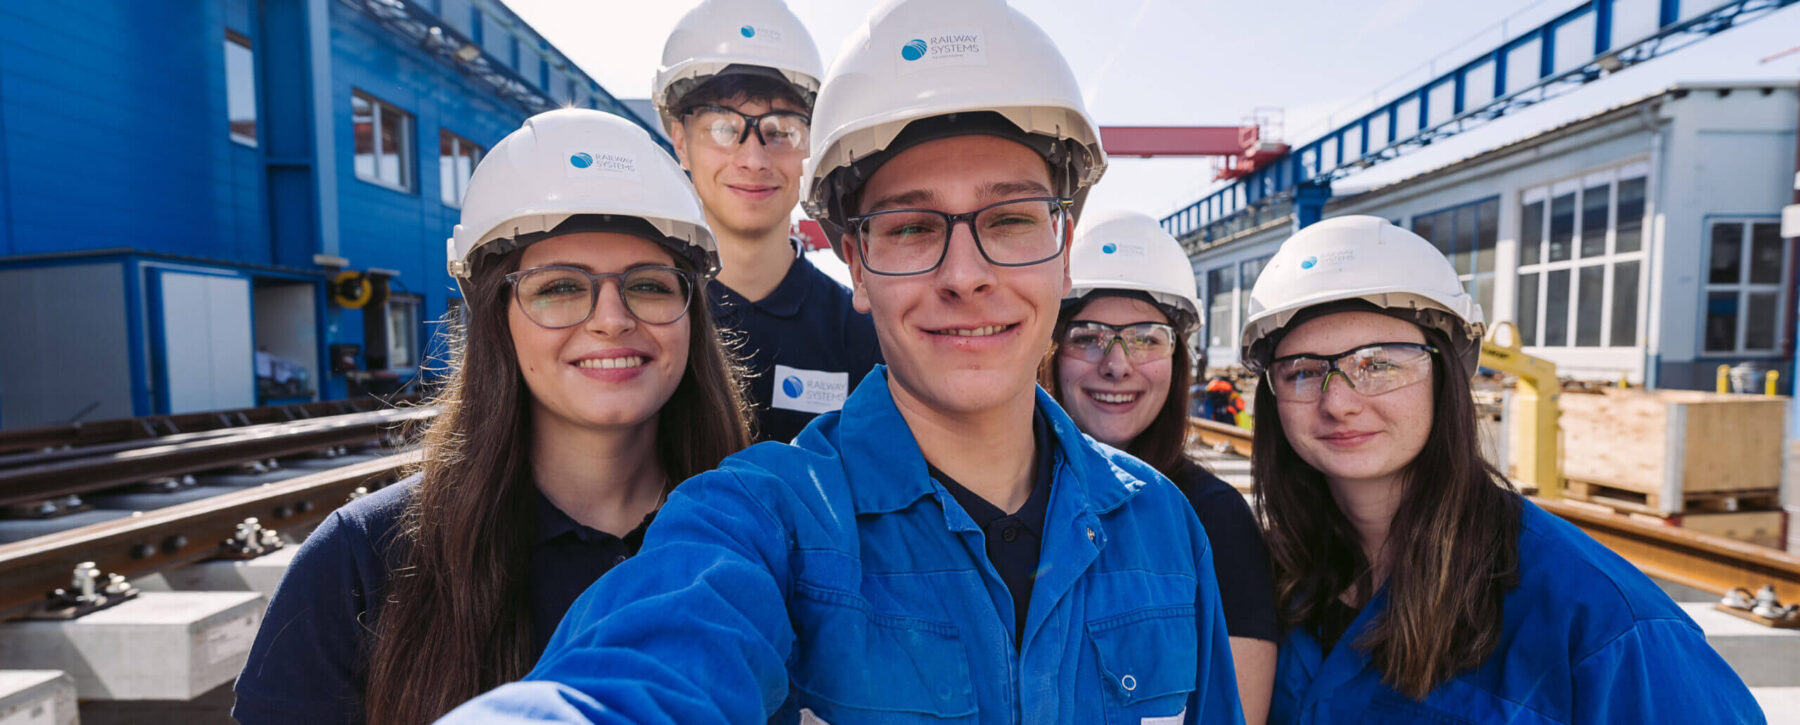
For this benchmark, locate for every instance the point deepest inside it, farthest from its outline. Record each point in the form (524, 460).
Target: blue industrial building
(228, 203)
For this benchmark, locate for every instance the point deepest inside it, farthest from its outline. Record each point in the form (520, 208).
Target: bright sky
(1174, 62)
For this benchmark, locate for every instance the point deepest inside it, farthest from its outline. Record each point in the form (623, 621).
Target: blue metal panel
(1277, 181)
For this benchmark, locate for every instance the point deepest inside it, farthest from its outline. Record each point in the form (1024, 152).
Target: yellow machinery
(1535, 392)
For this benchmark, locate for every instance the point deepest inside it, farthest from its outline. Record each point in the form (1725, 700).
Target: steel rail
(170, 537)
(153, 426)
(85, 475)
(21, 460)
(1703, 561)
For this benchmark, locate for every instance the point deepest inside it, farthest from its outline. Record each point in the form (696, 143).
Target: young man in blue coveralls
(948, 547)
(735, 93)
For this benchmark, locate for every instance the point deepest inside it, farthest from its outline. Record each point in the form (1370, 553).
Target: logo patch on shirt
(809, 391)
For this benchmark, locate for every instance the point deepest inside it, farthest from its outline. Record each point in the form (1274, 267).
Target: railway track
(1710, 563)
(127, 503)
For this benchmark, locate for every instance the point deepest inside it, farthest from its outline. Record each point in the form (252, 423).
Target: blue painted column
(1309, 202)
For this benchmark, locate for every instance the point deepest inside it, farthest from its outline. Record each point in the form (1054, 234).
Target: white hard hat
(1361, 258)
(576, 161)
(919, 59)
(1129, 251)
(753, 35)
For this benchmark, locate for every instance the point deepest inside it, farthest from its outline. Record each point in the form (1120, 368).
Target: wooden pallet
(1759, 619)
(1656, 504)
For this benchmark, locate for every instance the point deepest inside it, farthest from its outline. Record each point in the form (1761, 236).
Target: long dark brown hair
(1163, 444)
(1452, 547)
(455, 621)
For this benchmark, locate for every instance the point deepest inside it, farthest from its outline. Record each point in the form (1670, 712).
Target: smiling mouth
(1114, 398)
(611, 363)
(975, 332)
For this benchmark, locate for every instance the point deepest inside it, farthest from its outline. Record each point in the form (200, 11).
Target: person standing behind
(735, 92)
(948, 547)
(586, 379)
(1121, 365)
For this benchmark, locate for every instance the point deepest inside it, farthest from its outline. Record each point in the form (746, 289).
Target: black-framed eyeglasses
(559, 296)
(777, 131)
(1143, 341)
(1012, 233)
(1372, 370)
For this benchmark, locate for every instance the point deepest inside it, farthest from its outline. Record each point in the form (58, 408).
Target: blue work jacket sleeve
(1660, 670)
(1215, 687)
(694, 629)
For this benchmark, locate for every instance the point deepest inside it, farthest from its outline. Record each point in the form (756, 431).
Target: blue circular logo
(748, 31)
(914, 50)
(581, 160)
(1108, 248)
(1309, 262)
(792, 386)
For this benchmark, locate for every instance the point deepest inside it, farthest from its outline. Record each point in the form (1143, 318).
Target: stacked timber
(1705, 461)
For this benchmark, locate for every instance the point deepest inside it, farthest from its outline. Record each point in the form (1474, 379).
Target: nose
(1114, 364)
(750, 154)
(965, 272)
(1339, 399)
(610, 317)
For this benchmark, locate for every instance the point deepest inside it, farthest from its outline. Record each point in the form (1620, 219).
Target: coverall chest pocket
(1147, 663)
(855, 665)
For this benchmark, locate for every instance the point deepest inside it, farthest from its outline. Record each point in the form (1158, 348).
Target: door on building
(201, 342)
(287, 341)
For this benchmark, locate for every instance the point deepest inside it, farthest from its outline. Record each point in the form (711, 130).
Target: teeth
(609, 363)
(977, 332)
(1114, 397)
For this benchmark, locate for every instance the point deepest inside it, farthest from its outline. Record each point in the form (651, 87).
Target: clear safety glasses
(781, 132)
(1369, 370)
(1142, 342)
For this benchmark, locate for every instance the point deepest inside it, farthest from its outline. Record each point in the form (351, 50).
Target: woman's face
(1348, 436)
(1114, 399)
(613, 370)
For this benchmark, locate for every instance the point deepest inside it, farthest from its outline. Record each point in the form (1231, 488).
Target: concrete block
(37, 697)
(1763, 656)
(260, 575)
(160, 646)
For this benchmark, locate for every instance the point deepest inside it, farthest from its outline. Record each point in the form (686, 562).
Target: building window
(383, 142)
(1746, 274)
(457, 158)
(240, 88)
(1221, 284)
(1581, 260)
(403, 331)
(1248, 271)
(1466, 234)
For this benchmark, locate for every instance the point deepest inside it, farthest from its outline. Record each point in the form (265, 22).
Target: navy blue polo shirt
(1240, 557)
(1013, 541)
(805, 346)
(309, 662)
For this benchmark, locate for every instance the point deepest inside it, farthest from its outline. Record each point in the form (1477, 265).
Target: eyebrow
(995, 190)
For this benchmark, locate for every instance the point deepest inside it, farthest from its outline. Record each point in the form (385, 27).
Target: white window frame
(378, 109)
(402, 320)
(1212, 326)
(1609, 259)
(1745, 288)
(452, 194)
(240, 40)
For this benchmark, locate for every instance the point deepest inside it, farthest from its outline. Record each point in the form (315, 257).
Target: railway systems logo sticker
(914, 50)
(1109, 248)
(748, 31)
(1309, 262)
(581, 160)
